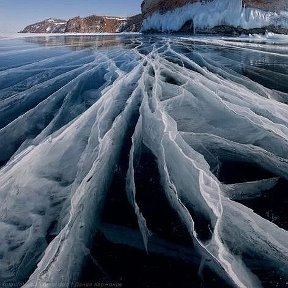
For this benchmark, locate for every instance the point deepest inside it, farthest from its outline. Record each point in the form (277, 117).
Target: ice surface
(212, 113)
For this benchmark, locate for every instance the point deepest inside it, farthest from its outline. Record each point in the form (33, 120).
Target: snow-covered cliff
(201, 15)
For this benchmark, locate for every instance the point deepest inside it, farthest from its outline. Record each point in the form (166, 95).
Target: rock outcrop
(133, 23)
(213, 15)
(90, 24)
(95, 24)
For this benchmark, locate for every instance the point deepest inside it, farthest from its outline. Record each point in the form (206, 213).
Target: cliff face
(151, 6)
(203, 15)
(91, 24)
(134, 23)
(96, 24)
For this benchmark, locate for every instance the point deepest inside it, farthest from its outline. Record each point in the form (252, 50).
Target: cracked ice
(169, 147)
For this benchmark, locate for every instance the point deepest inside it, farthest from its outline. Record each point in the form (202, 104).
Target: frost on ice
(160, 147)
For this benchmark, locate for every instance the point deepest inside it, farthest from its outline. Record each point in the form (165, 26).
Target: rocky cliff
(95, 24)
(90, 24)
(151, 6)
(206, 15)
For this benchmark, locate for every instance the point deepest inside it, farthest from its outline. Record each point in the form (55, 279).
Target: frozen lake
(144, 161)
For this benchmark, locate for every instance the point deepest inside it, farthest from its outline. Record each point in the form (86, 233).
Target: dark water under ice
(144, 161)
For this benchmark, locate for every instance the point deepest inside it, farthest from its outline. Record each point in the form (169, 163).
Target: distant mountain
(47, 26)
(90, 24)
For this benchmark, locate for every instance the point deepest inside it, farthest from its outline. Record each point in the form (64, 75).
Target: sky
(16, 14)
